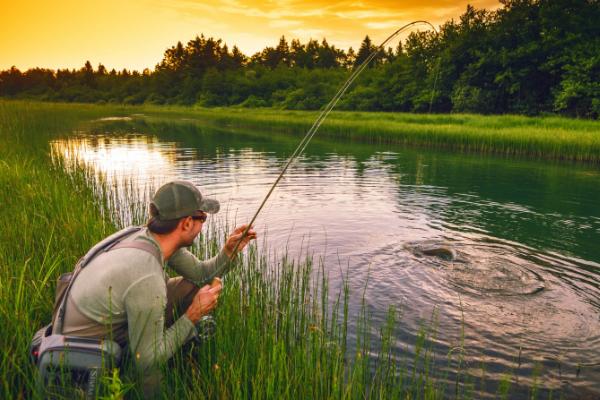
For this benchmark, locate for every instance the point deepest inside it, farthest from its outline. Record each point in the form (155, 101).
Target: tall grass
(48, 220)
(553, 138)
(279, 336)
(545, 137)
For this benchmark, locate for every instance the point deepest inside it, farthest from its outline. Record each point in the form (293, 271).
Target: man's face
(194, 226)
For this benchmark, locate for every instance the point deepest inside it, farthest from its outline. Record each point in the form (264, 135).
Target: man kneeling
(124, 294)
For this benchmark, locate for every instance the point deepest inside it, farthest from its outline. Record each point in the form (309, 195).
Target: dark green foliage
(527, 57)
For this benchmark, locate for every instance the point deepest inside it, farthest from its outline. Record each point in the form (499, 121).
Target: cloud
(324, 14)
(343, 23)
(250, 9)
(56, 34)
(308, 33)
(284, 23)
(387, 25)
(362, 14)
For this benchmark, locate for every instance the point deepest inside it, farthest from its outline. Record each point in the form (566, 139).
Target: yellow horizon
(134, 34)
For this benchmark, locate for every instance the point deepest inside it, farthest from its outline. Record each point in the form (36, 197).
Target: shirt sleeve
(150, 343)
(187, 265)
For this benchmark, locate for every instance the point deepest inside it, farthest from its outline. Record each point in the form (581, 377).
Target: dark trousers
(180, 293)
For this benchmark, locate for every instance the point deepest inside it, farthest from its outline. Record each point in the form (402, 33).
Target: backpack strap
(107, 243)
(114, 241)
(140, 245)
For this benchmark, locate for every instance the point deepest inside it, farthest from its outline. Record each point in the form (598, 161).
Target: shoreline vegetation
(550, 137)
(279, 336)
(544, 138)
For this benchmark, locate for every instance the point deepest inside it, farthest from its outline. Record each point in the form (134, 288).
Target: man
(125, 294)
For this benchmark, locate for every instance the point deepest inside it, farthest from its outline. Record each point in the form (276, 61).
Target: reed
(49, 218)
(552, 138)
(545, 137)
(279, 334)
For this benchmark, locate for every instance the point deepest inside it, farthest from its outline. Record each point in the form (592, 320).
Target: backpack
(70, 362)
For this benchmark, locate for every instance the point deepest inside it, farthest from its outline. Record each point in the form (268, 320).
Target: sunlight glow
(134, 34)
(138, 159)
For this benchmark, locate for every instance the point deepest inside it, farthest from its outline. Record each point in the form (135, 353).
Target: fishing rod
(315, 126)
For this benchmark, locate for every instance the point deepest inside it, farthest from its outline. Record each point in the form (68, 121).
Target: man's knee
(180, 293)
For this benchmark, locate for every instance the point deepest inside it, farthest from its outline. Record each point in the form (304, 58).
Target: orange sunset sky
(134, 34)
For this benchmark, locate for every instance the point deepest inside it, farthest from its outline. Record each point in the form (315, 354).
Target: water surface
(521, 290)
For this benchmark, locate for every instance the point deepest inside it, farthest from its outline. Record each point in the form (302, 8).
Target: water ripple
(517, 286)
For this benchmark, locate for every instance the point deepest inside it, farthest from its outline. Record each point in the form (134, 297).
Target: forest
(527, 57)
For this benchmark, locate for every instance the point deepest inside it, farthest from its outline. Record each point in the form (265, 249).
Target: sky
(134, 34)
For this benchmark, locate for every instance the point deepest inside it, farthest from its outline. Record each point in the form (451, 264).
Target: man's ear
(185, 224)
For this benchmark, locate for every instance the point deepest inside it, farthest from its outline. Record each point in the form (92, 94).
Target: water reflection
(524, 280)
(122, 158)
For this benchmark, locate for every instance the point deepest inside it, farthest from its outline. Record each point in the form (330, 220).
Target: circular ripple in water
(477, 271)
(496, 276)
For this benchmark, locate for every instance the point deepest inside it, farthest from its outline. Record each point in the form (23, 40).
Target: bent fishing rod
(324, 113)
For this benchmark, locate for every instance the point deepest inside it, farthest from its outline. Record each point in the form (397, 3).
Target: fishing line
(315, 126)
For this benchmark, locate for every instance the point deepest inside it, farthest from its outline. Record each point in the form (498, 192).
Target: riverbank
(278, 337)
(50, 218)
(545, 138)
(549, 138)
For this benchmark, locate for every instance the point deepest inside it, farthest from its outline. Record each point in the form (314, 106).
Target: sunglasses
(201, 218)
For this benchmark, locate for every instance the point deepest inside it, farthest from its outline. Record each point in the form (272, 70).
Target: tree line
(527, 57)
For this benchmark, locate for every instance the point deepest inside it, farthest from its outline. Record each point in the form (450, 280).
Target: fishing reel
(206, 328)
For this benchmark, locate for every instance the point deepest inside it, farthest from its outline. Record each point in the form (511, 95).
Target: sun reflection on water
(141, 158)
(132, 166)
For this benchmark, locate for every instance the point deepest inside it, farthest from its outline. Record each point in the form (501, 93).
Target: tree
(579, 91)
(297, 54)
(283, 52)
(173, 59)
(238, 58)
(350, 58)
(87, 74)
(365, 49)
(327, 56)
(11, 82)
(101, 71)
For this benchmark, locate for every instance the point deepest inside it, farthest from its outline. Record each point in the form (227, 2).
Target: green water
(525, 235)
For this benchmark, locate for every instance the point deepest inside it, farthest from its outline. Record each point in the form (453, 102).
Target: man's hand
(204, 301)
(235, 237)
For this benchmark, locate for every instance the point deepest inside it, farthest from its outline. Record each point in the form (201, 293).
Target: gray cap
(179, 199)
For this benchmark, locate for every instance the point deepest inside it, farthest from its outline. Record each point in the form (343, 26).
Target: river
(518, 286)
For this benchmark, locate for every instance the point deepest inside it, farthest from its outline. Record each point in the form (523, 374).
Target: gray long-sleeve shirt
(126, 289)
